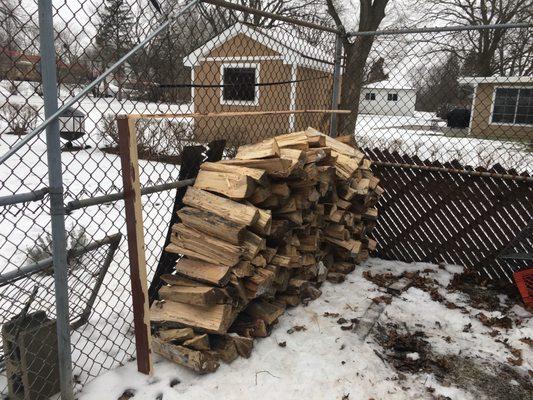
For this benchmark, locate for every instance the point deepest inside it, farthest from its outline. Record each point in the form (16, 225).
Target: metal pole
(336, 86)
(457, 28)
(34, 195)
(57, 212)
(94, 201)
(52, 117)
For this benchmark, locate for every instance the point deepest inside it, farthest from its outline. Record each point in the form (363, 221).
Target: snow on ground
(405, 135)
(106, 341)
(324, 361)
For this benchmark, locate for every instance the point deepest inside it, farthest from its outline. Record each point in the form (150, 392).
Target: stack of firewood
(258, 233)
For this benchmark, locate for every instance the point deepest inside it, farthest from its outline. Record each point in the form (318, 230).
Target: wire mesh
(415, 105)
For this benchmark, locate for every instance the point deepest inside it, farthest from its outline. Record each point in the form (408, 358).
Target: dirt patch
(409, 352)
(484, 294)
(493, 381)
(383, 280)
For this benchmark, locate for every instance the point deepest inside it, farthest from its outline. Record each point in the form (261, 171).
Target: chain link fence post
(57, 210)
(336, 85)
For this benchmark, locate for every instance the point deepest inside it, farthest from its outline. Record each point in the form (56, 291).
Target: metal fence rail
(454, 168)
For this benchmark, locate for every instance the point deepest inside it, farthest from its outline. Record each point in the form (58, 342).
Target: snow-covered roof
(396, 84)
(475, 80)
(292, 49)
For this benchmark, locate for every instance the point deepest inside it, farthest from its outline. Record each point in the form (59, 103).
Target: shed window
(392, 96)
(239, 84)
(513, 106)
(370, 96)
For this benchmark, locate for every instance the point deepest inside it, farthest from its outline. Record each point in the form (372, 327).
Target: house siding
(481, 125)
(405, 106)
(313, 93)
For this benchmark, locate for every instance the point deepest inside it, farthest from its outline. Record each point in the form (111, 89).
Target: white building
(387, 98)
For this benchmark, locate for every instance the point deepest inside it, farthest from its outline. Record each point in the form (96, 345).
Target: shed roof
(389, 84)
(292, 49)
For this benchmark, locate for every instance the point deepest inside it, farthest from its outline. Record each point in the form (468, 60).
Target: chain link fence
(422, 104)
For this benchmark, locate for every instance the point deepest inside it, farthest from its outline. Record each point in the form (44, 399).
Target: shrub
(20, 118)
(42, 249)
(154, 136)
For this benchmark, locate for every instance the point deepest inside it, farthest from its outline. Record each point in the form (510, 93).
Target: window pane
(524, 111)
(392, 96)
(239, 84)
(505, 105)
(370, 96)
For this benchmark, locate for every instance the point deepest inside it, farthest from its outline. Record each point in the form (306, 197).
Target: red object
(524, 281)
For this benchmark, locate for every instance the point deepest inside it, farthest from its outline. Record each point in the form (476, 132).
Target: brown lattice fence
(435, 216)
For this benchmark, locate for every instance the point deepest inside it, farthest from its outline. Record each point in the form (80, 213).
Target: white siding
(405, 105)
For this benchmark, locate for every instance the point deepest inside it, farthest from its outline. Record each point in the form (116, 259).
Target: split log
(244, 345)
(224, 348)
(243, 269)
(213, 319)
(239, 213)
(258, 175)
(178, 335)
(247, 326)
(198, 342)
(212, 224)
(198, 361)
(264, 223)
(261, 309)
(229, 184)
(201, 271)
(276, 167)
(265, 149)
(200, 295)
(190, 242)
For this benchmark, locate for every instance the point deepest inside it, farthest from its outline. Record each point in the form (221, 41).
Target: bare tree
(11, 25)
(482, 51)
(221, 18)
(515, 53)
(357, 51)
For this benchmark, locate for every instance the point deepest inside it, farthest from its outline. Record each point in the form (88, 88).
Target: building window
(239, 85)
(513, 106)
(392, 96)
(370, 96)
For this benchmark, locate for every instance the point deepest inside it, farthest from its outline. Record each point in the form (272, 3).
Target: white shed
(387, 98)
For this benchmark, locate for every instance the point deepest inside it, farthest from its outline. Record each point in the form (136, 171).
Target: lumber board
(226, 114)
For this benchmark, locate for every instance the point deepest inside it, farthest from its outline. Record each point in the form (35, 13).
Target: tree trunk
(353, 79)
(371, 13)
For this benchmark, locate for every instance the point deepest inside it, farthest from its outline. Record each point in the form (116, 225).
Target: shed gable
(242, 46)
